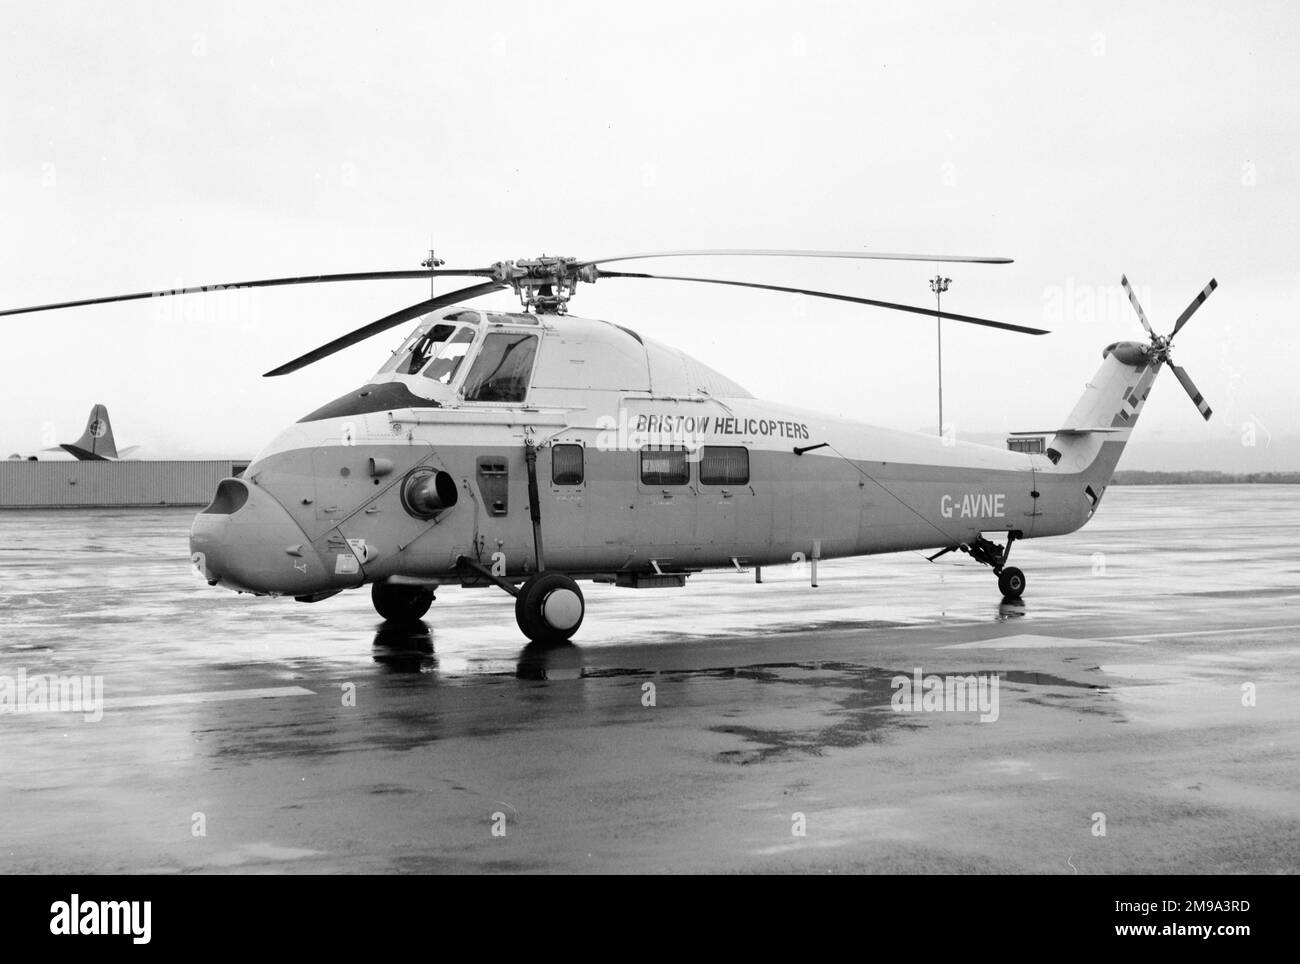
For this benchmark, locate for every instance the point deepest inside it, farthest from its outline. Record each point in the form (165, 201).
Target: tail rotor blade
(383, 324)
(1133, 299)
(1190, 387)
(1191, 309)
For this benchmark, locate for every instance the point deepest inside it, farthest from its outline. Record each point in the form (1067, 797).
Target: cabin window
(503, 368)
(664, 466)
(447, 358)
(724, 465)
(566, 465)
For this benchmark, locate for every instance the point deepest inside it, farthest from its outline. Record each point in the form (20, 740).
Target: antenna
(939, 284)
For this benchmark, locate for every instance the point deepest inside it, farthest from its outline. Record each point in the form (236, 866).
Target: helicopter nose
(245, 540)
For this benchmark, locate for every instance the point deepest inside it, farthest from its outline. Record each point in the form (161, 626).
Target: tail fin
(96, 442)
(1093, 437)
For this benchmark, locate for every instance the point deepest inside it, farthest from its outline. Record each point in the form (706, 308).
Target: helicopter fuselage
(647, 464)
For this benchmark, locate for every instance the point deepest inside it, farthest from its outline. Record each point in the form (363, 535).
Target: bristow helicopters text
(722, 425)
(620, 434)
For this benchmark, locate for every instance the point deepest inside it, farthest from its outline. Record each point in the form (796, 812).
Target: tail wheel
(400, 604)
(1012, 582)
(549, 607)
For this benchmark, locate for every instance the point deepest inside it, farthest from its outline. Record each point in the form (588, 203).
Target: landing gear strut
(549, 606)
(400, 604)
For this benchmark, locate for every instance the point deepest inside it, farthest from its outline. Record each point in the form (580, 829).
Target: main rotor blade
(765, 253)
(1191, 309)
(1190, 387)
(1133, 299)
(263, 283)
(930, 312)
(383, 324)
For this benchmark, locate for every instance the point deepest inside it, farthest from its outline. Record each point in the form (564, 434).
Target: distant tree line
(1136, 477)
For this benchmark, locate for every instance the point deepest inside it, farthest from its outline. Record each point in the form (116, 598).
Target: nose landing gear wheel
(549, 607)
(400, 604)
(1012, 582)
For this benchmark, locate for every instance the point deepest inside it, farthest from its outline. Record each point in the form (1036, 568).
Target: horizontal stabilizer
(84, 455)
(1068, 431)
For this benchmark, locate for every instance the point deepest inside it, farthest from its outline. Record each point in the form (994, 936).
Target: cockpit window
(427, 346)
(448, 356)
(416, 350)
(503, 368)
(424, 348)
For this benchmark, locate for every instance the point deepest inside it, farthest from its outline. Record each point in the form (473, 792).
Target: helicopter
(529, 450)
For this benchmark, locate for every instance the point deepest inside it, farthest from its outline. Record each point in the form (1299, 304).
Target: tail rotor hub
(1162, 345)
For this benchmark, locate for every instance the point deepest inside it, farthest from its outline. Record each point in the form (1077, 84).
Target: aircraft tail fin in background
(96, 442)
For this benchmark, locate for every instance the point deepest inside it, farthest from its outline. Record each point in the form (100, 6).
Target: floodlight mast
(939, 284)
(431, 262)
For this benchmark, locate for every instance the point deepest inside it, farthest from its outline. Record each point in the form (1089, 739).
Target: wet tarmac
(724, 727)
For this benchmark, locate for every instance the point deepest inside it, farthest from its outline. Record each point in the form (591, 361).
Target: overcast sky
(153, 145)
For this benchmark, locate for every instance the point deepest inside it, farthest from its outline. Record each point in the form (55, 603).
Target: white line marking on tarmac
(1028, 641)
(1205, 632)
(213, 696)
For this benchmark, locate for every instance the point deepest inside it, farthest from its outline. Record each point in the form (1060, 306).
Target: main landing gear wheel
(1012, 582)
(549, 607)
(400, 604)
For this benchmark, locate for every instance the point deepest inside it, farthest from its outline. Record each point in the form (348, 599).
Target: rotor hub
(545, 284)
